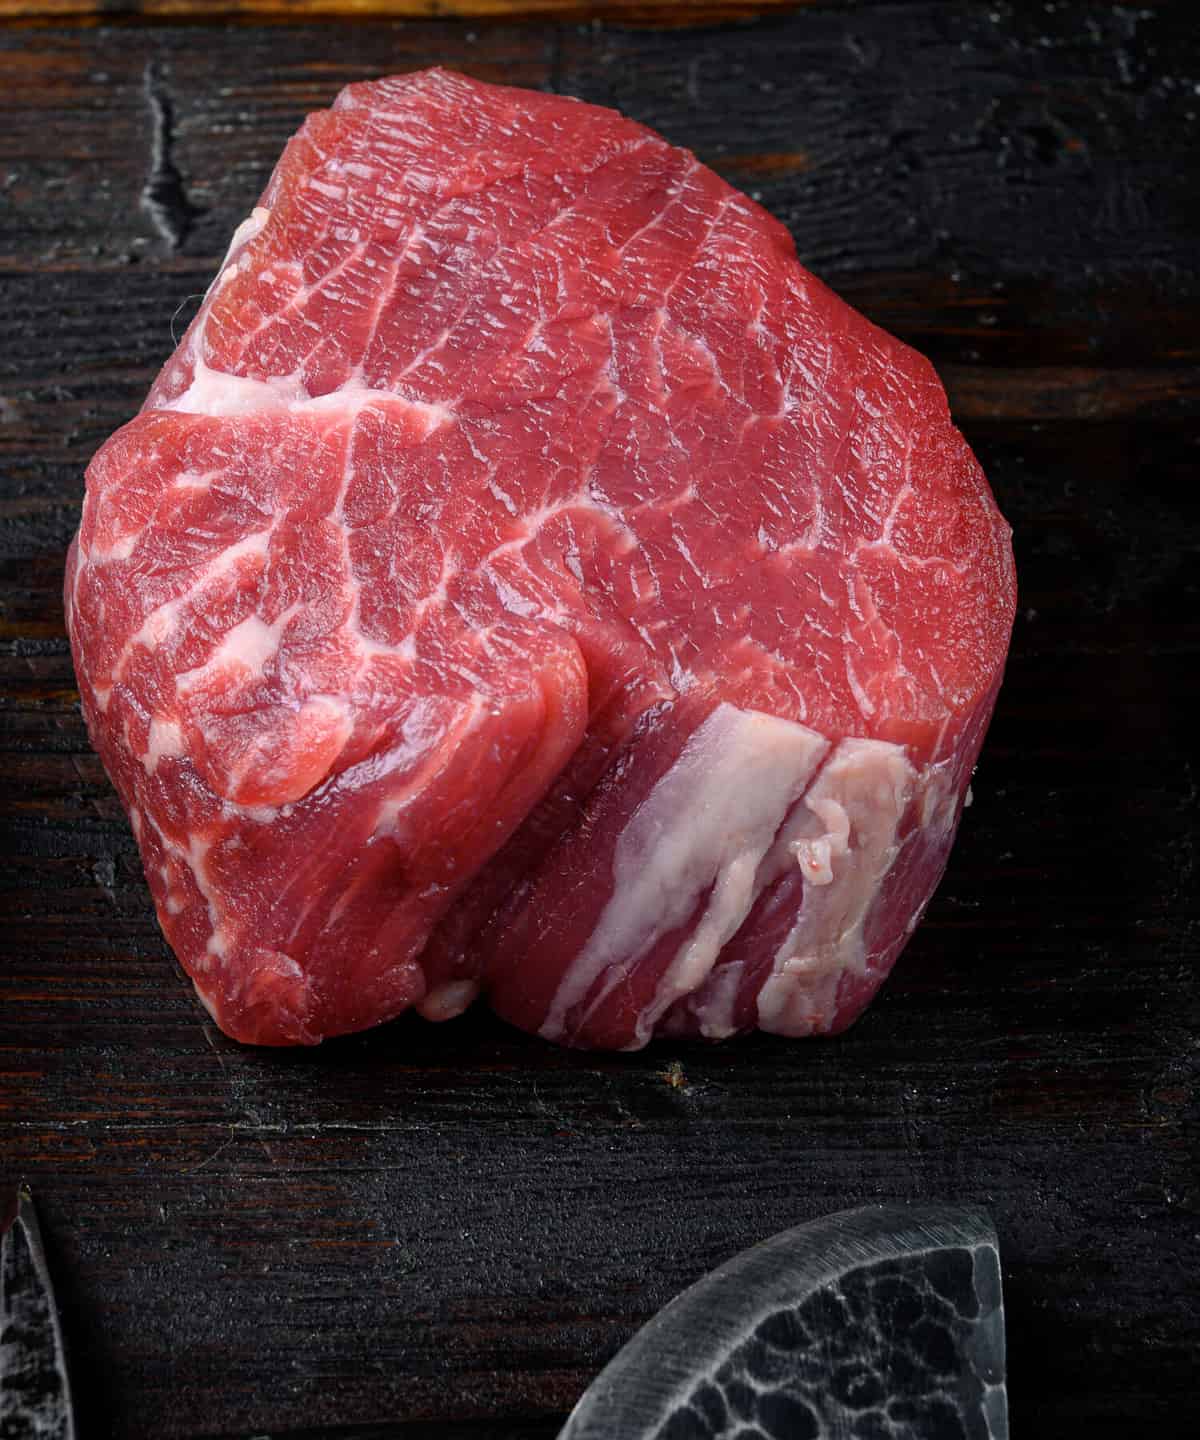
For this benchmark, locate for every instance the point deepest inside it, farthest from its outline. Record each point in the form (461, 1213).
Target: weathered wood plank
(1072, 392)
(914, 136)
(670, 13)
(656, 12)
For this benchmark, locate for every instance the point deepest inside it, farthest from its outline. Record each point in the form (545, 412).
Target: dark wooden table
(431, 1232)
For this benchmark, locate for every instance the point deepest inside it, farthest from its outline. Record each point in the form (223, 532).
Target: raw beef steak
(526, 579)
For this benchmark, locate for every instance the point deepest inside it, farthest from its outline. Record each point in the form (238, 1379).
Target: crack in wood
(554, 63)
(164, 197)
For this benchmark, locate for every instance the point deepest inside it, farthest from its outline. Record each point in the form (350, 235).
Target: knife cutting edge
(883, 1321)
(35, 1392)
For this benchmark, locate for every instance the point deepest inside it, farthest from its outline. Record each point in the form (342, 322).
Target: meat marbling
(526, 579)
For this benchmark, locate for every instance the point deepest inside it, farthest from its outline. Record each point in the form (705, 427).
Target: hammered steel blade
(882, 1321)
(35, 1395)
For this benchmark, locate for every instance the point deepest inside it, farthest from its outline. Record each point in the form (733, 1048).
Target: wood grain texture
(667, 14)
(663, 13)
(442, 1233)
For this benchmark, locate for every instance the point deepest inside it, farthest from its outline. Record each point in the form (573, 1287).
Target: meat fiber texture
(525, 579)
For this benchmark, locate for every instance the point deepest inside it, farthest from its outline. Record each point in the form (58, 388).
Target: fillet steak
(525, 579)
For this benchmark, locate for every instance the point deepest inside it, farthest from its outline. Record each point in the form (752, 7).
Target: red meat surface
(525, 579)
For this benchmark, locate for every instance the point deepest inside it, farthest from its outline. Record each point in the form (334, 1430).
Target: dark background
(444, 1232)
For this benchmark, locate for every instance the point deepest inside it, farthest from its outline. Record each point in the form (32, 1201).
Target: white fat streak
(194, 480)
(714, 1013)
(120, 549)
(215, 392)
(861, 698)
(246, 231)
(218, 393)
(330, 192)
(844, 837)
(196, 856)
(247, 646)
(446, 1001)
(233, 261)
(705, 826)
(164, 742)
(163, 619)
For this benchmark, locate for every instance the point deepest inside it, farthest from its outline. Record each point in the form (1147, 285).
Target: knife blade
(35, 1392)
(884, 1321)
